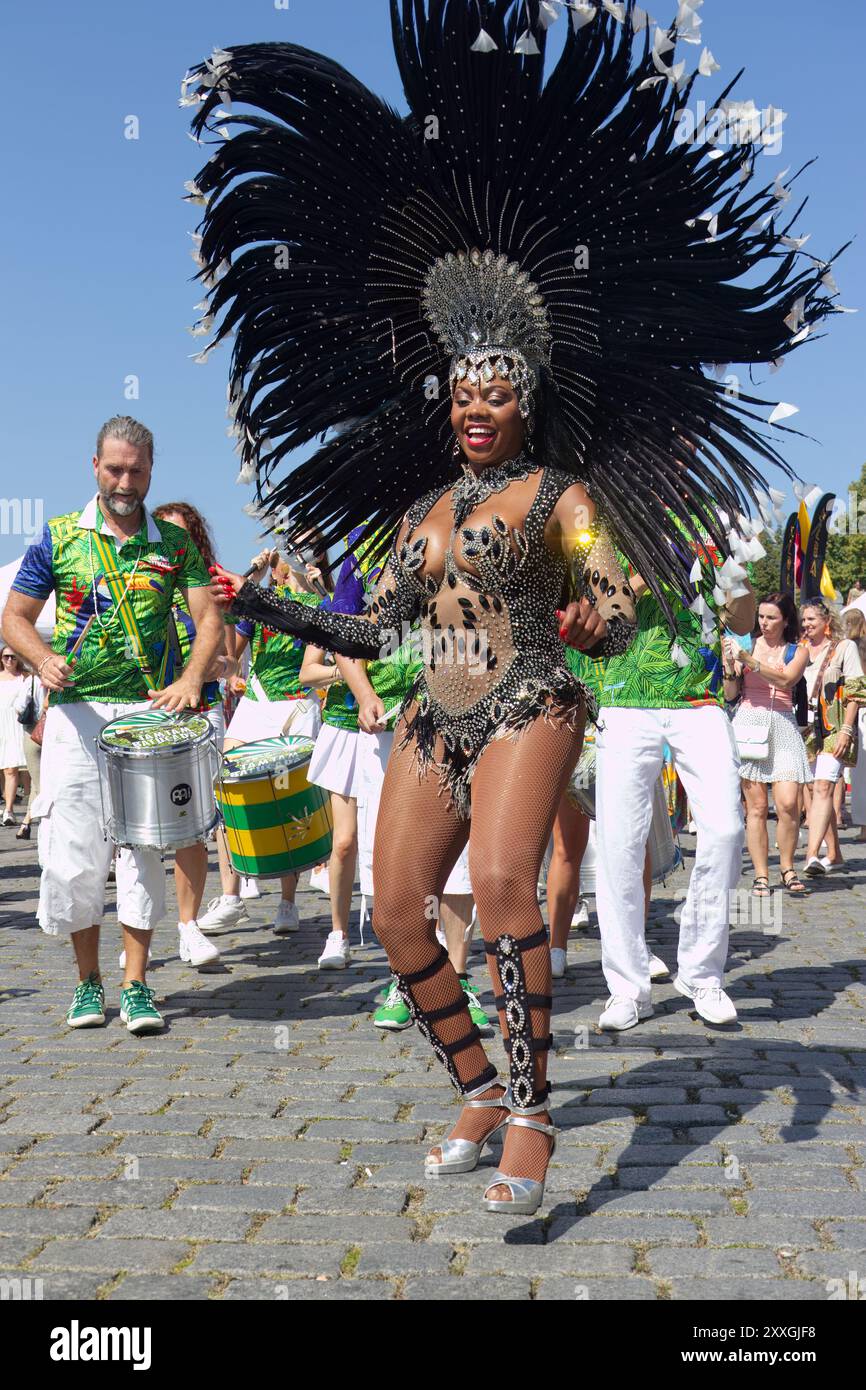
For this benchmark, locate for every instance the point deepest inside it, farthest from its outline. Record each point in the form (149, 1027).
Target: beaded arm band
(596, 574)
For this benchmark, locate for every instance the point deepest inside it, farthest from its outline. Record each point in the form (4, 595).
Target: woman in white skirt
(854, 625)
(772, 753)
(11, 732)
(836, 688)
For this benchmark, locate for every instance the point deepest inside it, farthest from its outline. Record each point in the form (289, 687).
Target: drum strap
(126, 616)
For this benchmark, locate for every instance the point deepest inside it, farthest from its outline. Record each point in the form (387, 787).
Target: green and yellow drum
(275, 822)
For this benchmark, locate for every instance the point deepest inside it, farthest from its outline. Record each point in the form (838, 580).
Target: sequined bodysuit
(493, 660)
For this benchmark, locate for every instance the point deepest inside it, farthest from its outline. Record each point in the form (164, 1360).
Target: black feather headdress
(655, 259)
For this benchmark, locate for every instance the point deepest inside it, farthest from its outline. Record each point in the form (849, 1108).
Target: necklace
(472, 489)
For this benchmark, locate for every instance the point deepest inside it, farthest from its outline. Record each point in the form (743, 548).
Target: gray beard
(117, 507)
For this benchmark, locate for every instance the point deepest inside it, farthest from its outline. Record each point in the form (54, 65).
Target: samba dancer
(115, 571)
(418, 258)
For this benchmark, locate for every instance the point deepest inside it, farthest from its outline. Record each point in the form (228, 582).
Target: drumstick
(383, 718)
(79, 642)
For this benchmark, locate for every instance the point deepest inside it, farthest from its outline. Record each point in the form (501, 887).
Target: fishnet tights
(515, 793)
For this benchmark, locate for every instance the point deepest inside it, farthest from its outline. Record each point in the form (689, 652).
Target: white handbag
(753, 740)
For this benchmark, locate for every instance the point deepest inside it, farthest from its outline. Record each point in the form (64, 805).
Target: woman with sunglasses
(11, 732)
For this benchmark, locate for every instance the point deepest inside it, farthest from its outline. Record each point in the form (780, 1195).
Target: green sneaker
(476, 1013)
(393, 1014)
(137, 1010)
(87, 1009)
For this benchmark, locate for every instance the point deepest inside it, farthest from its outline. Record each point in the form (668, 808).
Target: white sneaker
(250, 888)
(193, 947)
(223, 912)
(658, 969)
(815, 867)
(557, 962)
(710, 1001)
(581, 914)
(287, 919)
(121, 960)
(336, 955)
(319, 879)
(621, 1013)
(831, 867)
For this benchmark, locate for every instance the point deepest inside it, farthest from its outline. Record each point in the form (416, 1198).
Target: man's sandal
(761, 887)
(792, 884)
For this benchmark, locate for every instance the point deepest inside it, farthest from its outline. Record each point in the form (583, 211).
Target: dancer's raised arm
(377, 633)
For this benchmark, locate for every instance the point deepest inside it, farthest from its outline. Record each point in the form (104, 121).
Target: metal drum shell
(256, 813)
(137, 786)
(665, 854)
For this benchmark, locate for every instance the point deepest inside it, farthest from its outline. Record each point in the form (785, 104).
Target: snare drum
(156, 774)
(275, 821)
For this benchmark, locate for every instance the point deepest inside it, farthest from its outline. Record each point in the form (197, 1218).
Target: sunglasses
(9, 656)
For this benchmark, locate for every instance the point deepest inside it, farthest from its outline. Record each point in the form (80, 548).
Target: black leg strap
(535, 1001)
(525, 943)
(424, 1019)
(522, 1048)
(534, 1044)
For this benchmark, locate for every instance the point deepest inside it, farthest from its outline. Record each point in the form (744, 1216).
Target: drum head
(151, 729)
(266, 755)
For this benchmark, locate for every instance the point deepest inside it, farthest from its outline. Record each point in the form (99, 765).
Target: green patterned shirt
(147, 572)
(646, 676)
(276, 657)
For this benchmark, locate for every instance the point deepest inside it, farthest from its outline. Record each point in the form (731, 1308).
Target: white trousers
(630, 750)
(73, 851)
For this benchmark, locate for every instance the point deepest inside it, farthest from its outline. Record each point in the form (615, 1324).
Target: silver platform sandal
(462, 1155)
(526, 1194)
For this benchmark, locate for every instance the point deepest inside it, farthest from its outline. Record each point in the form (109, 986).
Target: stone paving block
(14, 1250)
(192, 1223)
(466, 1289)
(38, 1221)
(287, 1260)
(120, 1193)
(557, 1258)
(57, 1286)
(635, 1288)
(343, 1230)
(716, 1290)
(348, 1131)
(392, 1258)
(360, 1200)
(216, 1197)
(311, 1290)
(774, 1232)
(835, 1264)
(156, 1256)
(848, 1235)
(172, 1288)
(809, 1204)
(706, 1263)
(16, 1192)
(621, 1230)
(668, 1203)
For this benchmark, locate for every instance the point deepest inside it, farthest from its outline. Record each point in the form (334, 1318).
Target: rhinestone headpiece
(488, 313)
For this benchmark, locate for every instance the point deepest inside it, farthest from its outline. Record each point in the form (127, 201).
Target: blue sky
(95, 248)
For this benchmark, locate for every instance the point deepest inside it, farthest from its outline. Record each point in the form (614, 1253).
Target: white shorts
(373, 752)
(827, 768)
(332, 765)
(74, 852)
(255, 719)
(217, 719)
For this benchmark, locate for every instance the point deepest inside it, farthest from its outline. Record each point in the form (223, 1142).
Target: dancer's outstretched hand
(224, 585)
(580, 625)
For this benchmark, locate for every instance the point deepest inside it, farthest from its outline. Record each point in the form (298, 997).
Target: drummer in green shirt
(115, 572)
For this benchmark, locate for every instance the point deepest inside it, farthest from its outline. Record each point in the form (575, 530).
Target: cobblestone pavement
(269, 1144)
